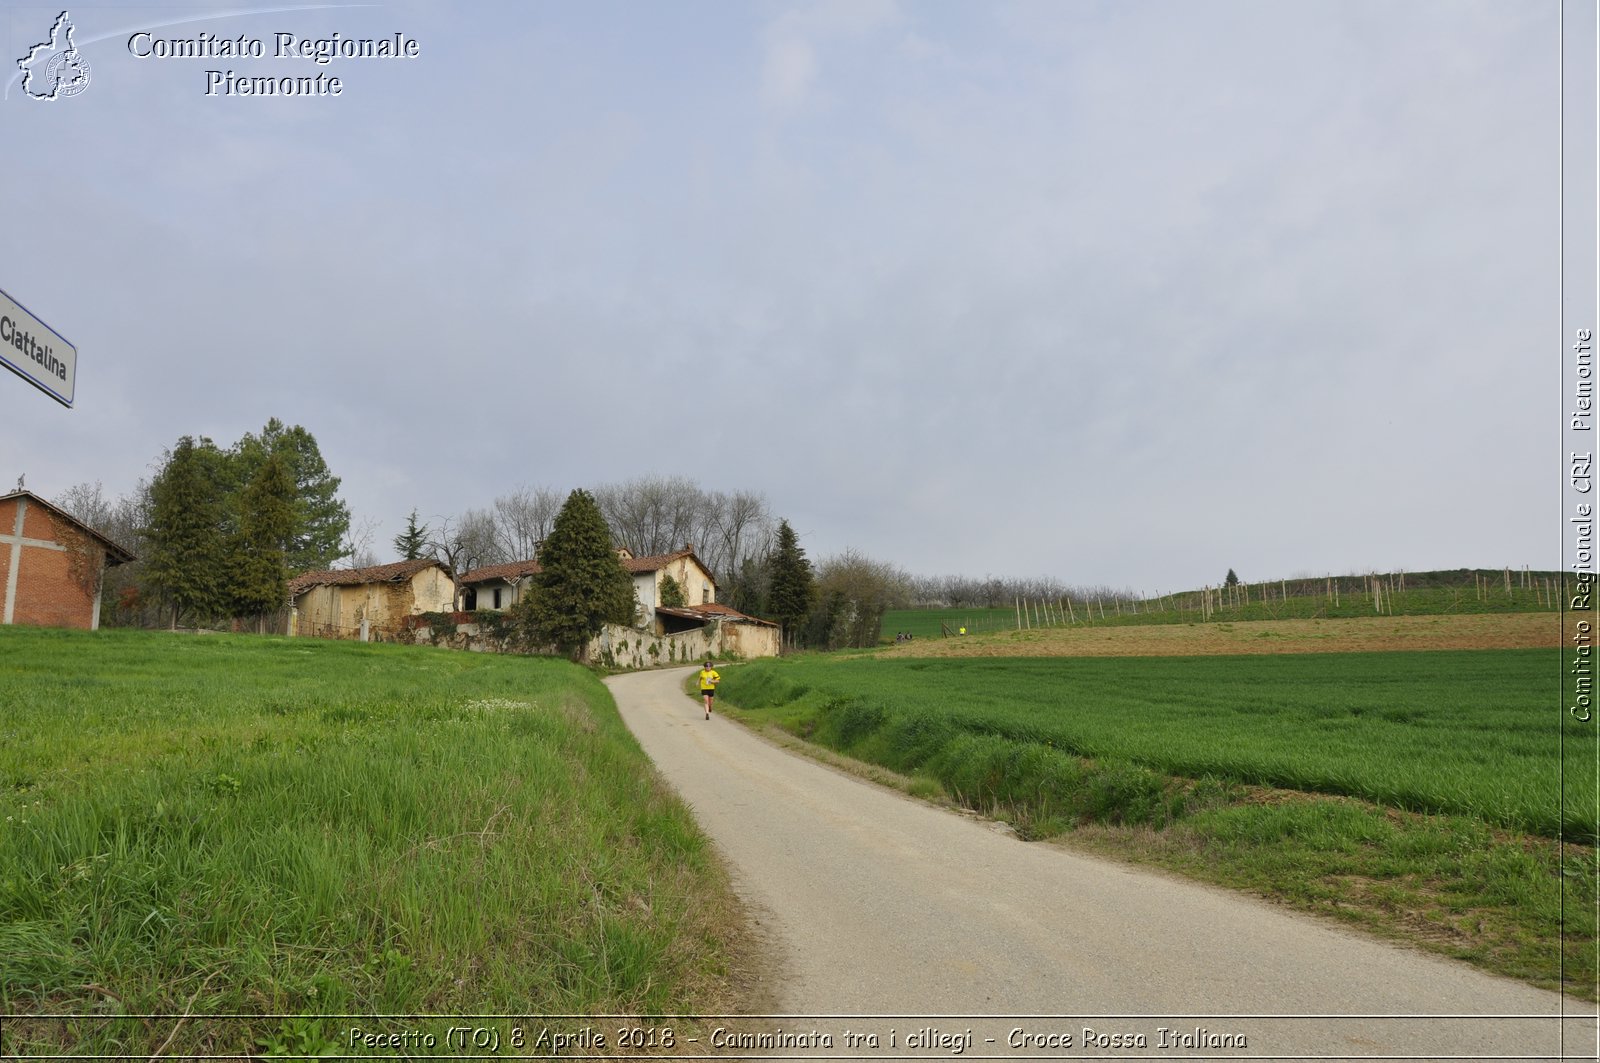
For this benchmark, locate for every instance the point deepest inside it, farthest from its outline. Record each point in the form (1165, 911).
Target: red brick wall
(46, 593)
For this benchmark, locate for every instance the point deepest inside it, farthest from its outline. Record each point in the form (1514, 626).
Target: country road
(879, 905)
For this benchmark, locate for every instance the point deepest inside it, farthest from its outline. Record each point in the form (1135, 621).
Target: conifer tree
(266, 521)
(792, 587)
(412, 543)
(186, 551)
(581, 585)
(322, 521)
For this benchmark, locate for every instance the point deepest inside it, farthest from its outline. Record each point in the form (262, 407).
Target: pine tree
(793, 587)
(1232, 580)
(266, 520)
(581, 585)
(412, 543)
(186, 549)
(322, 521)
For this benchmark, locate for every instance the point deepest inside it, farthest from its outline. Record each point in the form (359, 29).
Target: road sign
(36, 352)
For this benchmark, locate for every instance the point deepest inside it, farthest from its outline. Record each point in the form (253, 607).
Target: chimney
(689, 547)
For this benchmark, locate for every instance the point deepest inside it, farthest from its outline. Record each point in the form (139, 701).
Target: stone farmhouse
(360, 603)
(51, 564)
(701, 627)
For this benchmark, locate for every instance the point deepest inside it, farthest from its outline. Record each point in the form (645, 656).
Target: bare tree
(652, 514)
(464, 543)
(123, 521)
(523, 520)
(357, 543)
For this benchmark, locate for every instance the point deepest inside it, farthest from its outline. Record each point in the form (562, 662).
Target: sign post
(36, 352)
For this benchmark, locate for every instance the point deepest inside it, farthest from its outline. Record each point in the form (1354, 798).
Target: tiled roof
(513, 570)
(354, 577)
(712, 611)
(656, 562)
(637, 566)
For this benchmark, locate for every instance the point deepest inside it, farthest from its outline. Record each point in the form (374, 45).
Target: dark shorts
(708, 693)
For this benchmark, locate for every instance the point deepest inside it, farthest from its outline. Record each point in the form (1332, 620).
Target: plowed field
(1479, 631)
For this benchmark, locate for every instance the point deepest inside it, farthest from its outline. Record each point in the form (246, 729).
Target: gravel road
(879, 905)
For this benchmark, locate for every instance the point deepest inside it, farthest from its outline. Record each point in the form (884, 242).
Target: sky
(1122, 293)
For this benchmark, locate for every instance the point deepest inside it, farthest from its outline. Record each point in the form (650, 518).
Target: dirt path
(881, 905)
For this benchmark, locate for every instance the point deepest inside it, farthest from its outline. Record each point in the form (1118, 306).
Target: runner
(708, 685)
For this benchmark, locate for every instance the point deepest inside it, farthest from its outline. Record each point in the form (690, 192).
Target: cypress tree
(186, 551)
(266, 521)
(792, 588)
(581, 585)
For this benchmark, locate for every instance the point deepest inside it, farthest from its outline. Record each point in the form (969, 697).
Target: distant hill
(1435, 592)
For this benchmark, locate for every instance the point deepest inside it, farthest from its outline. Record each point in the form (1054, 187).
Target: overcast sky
(1123, 293)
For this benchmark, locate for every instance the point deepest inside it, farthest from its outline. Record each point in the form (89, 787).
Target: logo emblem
(55, 68)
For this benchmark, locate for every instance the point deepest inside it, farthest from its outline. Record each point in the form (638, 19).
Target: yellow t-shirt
(709, 679)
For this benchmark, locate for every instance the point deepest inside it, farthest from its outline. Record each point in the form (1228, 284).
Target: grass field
(1469, 733)
(213, 825)
(1416, 792)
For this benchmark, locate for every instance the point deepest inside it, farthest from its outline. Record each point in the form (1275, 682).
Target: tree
(186, 551)
(671, 592)
(581, 585)
(1232, 580)
(657, 515)
(854, 593)
(791, 588)
(522, 521)
(747, 591)
(257, 564)
(412, 543)
(322, 521)
(123, 521)
(464, 544)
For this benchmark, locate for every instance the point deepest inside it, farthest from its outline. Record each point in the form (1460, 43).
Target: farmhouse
(502, 586)
(51, 564)
(720, 628)
(356, 602)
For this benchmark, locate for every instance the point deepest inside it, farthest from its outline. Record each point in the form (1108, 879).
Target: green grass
(1306, 601)
(1406, 792)
(1462, 732)
(272, 826)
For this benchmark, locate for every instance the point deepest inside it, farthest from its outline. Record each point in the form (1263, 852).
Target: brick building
(51, 564)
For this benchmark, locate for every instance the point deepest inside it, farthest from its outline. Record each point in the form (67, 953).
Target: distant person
(963, 630)
(708, 685)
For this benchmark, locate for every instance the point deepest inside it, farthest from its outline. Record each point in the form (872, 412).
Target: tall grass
(272, 826)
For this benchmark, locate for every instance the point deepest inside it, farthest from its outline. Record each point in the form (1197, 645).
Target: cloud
(787, 75)
(795, 37)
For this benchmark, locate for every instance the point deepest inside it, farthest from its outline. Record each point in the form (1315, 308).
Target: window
(705, 594)
(497, 597)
